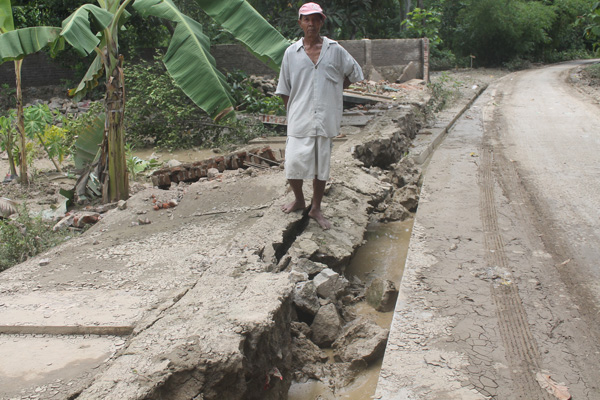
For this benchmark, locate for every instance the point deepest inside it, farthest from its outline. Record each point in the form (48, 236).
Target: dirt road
(544, 142)
(499, 297)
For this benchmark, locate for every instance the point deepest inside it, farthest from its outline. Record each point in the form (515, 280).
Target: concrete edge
(421, 153)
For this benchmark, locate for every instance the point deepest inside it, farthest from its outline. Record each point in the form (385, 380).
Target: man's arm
(285, 100)
(346, 82)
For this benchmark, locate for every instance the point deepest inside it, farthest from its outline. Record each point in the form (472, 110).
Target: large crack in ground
(322, 318)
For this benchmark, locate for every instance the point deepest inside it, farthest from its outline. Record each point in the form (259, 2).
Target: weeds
(593, 71)
(137, 165)
(25, 237)
(443, 92)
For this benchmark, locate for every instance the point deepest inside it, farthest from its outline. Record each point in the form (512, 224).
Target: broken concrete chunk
(305, 352)
(305, 265)
(395, 212)
(405, 173)
(122, 205)
(326, 283)
(361, 340)
(63, 223)
(297, 276)
(326, 326)
(408, 196)
(382, 295)
(305, 248)
(305, 297)
(410, 72)
(173, 163)
(300, 329)
(83, 218)
(212, 173)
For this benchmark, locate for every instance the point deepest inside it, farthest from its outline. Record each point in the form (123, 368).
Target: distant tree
(346, 19)
(499, 31)
(591, 21)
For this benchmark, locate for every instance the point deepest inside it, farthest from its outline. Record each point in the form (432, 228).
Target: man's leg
(315, 208)
(298, 203)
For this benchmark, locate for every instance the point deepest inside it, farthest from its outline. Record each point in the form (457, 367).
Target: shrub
(25, 237)
(498, 31)
(157, 111)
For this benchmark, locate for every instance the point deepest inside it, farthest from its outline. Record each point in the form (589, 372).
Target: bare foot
(293, 206)
(318, 216)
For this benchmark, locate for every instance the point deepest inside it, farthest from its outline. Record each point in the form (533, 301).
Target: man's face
(311, 24)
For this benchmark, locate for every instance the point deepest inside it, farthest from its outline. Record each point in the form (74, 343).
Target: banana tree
(15, 45)
(188, 61)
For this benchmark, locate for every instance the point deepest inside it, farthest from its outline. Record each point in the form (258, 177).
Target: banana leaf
(77, 31)
(16, 44)
(249, 27)
(189, 61)
(6, 17)
(89, 80)
(87, 145)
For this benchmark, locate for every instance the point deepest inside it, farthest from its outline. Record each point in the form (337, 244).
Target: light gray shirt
(316, 90)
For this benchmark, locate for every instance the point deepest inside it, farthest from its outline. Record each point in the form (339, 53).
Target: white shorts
(308, 157)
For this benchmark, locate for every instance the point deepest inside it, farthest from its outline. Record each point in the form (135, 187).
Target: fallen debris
(558, 390)
(260, 157)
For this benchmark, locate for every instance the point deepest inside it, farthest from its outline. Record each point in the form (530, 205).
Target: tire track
(521, 349)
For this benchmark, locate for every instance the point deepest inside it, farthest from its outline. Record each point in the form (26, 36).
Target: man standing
(314, 73)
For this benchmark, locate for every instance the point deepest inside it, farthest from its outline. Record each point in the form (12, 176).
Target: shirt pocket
(332, 73)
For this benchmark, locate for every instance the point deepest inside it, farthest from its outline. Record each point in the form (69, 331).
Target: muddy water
(382, 256)
(183, 156)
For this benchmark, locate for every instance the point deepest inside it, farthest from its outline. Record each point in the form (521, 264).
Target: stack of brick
(261, 157)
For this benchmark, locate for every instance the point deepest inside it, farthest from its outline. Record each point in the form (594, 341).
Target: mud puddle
(382, 256)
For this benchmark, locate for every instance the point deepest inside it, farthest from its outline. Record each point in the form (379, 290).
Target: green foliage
(160, 114)
(75, 124)
(8, 134)
(157, 111)
(8, 97)
(424, 23)
(593, 71)
(565, 55)
(250, 99)
(500, 32)
(444, 91)
(137, 165)
(37, 118)
(566, 34)
(346, 19)
(591, 21)
(517, 64)
(54, 139)
(39, 128)
(25, 237)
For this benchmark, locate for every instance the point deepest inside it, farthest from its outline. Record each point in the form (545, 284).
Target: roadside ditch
(342, 304)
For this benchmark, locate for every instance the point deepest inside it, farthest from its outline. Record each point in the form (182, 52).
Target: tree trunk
(21, 124)
(115, 182)
(405, 6)
(9, 150)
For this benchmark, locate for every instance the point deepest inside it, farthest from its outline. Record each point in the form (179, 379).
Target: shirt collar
(326, 43)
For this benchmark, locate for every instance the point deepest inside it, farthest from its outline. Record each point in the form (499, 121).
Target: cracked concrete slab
(196, 289)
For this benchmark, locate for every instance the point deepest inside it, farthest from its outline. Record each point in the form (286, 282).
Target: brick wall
(39, 70)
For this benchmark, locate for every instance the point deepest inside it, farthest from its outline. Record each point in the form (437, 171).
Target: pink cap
(310, 8)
